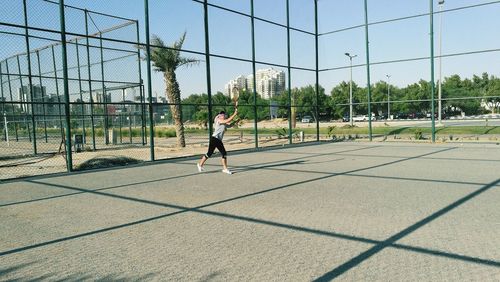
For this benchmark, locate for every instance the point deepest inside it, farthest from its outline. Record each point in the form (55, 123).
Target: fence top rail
(71, 40)
(90, 11)
(410, 17)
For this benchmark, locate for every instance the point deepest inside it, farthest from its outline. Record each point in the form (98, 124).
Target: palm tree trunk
(173, 94)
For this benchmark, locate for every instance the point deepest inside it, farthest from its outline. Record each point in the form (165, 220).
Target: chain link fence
(99, 95)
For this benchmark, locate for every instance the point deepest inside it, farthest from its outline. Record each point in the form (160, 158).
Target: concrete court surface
(346, 211)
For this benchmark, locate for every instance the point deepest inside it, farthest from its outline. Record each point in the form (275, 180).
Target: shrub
(330, 131)
(418, 134)
(283, 133)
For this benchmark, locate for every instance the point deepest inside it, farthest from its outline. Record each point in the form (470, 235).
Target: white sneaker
(200, 168)
(227, 171)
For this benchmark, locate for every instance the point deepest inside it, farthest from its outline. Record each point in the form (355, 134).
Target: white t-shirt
(219, 128)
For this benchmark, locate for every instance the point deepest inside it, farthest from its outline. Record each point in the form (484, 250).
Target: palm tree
(167, 59)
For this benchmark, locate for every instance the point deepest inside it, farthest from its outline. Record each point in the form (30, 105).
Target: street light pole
(388, 97)
(441, 3)
(350, 88)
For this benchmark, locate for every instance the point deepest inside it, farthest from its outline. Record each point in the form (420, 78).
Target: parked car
(307, 119)
(360, 118)
(345, 118)
(382, 117)
(401, 116)
(436, 115)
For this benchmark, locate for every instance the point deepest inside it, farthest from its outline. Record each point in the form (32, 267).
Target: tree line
(304, 100)
(458, 96)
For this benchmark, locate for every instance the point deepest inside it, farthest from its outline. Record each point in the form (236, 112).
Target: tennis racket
(236, 96)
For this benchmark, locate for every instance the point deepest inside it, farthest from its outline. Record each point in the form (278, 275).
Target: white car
(360, 118)
(307, 119)
(364, 118)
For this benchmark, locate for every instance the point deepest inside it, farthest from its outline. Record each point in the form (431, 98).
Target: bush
(107, 161)
(283, 133)
(330, 131)
(418, 134)
(165, 132)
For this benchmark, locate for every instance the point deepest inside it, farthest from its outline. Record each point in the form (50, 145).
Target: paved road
(456, 123)
(351, 211)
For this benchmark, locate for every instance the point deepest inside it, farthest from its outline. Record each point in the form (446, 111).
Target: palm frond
(156, 41)
(188, 62)
(168, 58)
(178, 44)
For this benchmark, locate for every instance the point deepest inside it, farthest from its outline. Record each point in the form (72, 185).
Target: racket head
(236, 94)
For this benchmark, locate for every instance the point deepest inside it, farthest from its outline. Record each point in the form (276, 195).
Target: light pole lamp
(441, 3)
(350, 87)
(388, 97)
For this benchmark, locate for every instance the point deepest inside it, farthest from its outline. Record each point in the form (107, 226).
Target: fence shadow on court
(337, 271)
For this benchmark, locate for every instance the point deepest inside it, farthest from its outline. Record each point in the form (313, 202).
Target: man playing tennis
(220, 123)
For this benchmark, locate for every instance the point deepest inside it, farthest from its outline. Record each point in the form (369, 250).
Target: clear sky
(466, 30)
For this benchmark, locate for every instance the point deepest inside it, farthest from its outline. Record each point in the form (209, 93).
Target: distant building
(269, 83)
(39, 96)
(240, 82)
(98, 97)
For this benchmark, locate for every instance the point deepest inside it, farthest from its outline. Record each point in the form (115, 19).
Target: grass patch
(166, 132)
(386, 130)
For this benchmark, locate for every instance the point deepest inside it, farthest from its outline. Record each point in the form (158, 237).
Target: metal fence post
(80, 88)
(317, 66)
(368, 73)
(431, 33)
(30, 79)
(11, 99)
(23, 98)
(141, 96)
(5, 132)
(290, 140)
(256, 128)
(43, 96)
(92, 123)
(57, 92)
(104, 94)
(121, 114)
(207, 59)
(69, 160)
(150, 91)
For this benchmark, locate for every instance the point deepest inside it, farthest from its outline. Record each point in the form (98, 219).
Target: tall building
(240, 82)
(39, 95)
(269, 83)
(98, 97)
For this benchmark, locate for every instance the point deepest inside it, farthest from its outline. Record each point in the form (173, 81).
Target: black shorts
(215, 143)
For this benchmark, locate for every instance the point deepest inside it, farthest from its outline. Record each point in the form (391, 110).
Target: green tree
(306, 101)
(379, 95)
(282, 101)
(198, 109)
(418, 95)
(340, 95)
(246, 109)
(167, 60)
(492, 95)
(460, 94)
